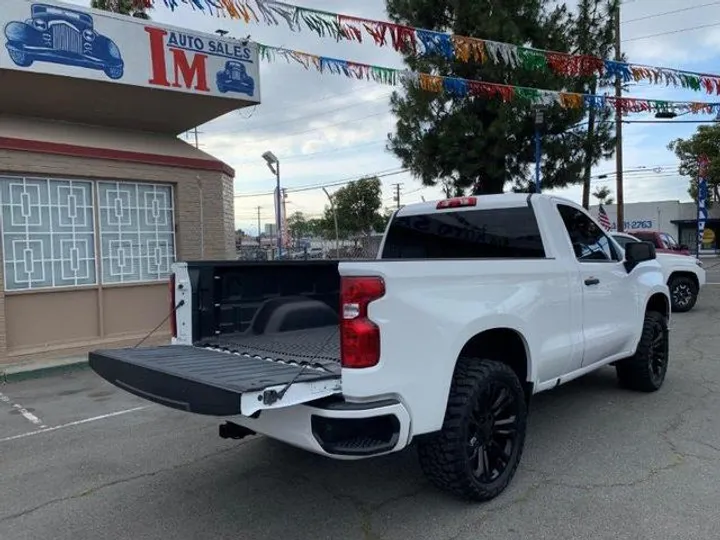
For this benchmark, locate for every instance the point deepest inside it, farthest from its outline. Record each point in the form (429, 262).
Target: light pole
(539, 120)
(274, 165)
(337, 232)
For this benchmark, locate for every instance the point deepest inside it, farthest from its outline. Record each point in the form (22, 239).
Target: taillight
(457, 202)
(173, 320)
(359, 336)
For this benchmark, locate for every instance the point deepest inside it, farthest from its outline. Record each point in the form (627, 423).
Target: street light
(273, 164)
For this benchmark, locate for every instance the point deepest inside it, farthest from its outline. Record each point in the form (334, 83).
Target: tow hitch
(228, 430)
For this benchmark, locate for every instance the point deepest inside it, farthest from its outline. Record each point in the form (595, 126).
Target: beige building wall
(69, 321)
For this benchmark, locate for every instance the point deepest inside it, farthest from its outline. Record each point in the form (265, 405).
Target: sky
(327, 129)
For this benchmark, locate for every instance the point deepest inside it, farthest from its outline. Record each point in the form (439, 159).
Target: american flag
(603, 218)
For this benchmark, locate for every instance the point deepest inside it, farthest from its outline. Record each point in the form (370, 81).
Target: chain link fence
(360, 248)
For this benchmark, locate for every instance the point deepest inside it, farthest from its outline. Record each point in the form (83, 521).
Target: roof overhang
(107, 104)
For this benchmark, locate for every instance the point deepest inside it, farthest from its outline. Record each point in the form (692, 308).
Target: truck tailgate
(223, 379)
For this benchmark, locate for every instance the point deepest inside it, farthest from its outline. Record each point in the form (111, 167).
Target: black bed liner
(211, 378)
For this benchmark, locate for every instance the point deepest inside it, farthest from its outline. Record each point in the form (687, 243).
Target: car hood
(674, 258)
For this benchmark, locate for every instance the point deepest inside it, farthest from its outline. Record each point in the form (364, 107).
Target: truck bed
(212, 377)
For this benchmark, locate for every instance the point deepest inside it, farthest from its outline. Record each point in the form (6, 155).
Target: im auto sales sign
(62, 39)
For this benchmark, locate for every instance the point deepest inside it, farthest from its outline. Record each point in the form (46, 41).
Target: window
(48, 236)
(137, 232)
(469, 234)
(624, 240)
(670, 242)
(589, 242)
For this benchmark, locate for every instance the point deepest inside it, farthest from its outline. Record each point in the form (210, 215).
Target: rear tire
(683, 294)
(478, 450)
(645, 371)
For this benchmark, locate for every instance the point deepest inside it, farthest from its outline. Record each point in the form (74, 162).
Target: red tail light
(173, 320)
(457, 202)
(359, 336)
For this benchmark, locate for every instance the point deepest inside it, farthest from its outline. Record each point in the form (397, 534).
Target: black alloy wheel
(493, 433)
(477, 451)
(646, 369)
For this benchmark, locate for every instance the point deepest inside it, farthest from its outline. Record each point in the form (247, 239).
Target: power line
(672, 32)
(379, 174)
(633, 174)
(655, 15)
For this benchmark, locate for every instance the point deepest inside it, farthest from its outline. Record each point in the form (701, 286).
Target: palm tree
(602, 194)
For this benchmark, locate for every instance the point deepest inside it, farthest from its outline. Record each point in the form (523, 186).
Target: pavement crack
(119, 481)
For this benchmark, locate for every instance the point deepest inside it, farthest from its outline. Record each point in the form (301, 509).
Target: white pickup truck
(684, 274)
(473, 305)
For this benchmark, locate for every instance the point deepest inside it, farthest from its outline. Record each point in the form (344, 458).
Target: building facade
(674, 217)
(98, 195)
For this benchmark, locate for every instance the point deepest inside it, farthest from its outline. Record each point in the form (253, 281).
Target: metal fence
(317, 248)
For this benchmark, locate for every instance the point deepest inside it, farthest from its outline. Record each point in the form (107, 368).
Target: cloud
(326, 128)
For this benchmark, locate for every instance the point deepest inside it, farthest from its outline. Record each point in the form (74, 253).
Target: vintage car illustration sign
(61, 39)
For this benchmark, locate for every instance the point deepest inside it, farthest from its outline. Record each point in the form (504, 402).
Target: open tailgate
(214, 382)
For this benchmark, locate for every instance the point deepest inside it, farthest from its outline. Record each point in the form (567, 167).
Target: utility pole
(259, 232)
(284, 218)
(397, 194)
(618, 128)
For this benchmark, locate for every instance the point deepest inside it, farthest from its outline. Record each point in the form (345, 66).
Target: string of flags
(458, 87)
(427, 42)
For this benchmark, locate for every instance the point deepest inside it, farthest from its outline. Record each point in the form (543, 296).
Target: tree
(318, 228)
(358, 208)
(602, 194)
(477, 144)
(134, 8)
(705, 142)
(298, 225)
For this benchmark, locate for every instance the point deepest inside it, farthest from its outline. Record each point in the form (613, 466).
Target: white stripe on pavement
(30, 417)
(71, 424)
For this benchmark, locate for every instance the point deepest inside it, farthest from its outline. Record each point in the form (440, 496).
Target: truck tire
(683, 293)
(478, 450)
(645, 371)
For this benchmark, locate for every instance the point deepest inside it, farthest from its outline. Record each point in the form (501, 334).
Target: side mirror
(638, 252)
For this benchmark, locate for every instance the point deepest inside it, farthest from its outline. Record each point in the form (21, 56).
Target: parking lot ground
(712, 269)
(81, 459)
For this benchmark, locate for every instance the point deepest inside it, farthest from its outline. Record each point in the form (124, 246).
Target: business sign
(61, 39)
(634, 225)
(702, 197)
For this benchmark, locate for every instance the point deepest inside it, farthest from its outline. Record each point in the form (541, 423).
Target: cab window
(589, 242)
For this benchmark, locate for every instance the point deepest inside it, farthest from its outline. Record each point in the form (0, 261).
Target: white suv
(684, 274)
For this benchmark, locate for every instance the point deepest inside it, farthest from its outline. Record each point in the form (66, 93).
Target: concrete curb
(26, 372)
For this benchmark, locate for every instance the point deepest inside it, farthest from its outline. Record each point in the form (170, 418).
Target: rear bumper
(339, 430)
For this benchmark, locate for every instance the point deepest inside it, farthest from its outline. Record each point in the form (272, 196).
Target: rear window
(470, 234)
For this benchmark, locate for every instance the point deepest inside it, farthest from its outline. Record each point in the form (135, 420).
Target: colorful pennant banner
(465, 49)
(463, 87)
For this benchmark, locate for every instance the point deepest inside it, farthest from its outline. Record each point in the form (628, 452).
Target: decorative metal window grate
(137, 231)
(48, 236)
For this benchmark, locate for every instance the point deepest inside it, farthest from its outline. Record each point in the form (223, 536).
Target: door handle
(592, 281)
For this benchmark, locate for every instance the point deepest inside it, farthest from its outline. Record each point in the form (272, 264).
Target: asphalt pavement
(712, 269)
(81, 459)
